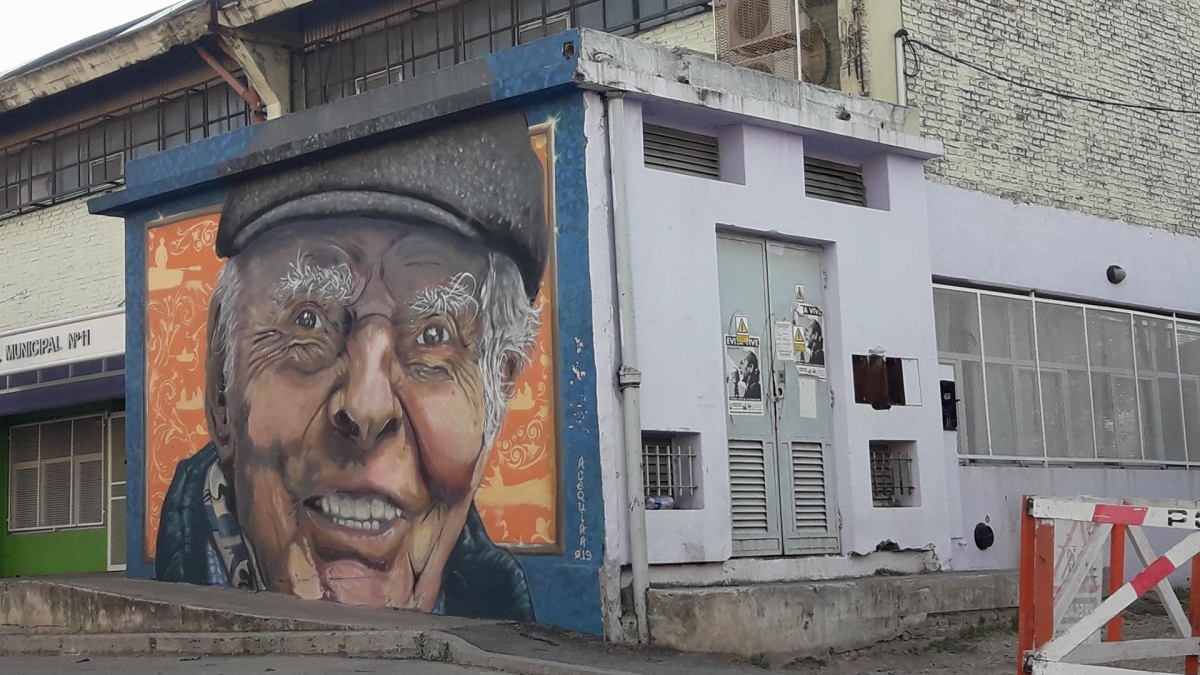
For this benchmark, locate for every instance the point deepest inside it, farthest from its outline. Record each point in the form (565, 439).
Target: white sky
(36, 27)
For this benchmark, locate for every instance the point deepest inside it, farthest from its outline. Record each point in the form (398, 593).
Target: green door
(777, 398)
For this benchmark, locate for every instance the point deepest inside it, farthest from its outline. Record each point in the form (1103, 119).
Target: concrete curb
(464, 653)
(434, 645)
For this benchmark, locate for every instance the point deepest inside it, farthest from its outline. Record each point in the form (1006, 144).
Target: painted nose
(366, 409)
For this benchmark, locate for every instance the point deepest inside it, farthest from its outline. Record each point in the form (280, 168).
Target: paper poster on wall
(784, 350)
(808, 337)
(743, 377)
(807, 397)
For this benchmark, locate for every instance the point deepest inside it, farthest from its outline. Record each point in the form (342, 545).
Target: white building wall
(878, 295)
(982, 239)
(60, 262)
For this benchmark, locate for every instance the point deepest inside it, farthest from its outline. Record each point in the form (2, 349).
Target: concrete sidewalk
(110, 615)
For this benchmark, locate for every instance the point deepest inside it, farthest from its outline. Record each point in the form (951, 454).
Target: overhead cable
(910, 45)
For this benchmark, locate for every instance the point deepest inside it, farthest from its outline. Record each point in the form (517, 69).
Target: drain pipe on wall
(628, 376)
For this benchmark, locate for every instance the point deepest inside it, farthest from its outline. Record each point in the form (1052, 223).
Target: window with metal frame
(1063, 382)
(91, 156)
(892, 474)
(427, 36)
(56, 474)
(669, 469)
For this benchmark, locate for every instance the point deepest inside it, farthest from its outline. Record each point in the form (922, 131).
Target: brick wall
(1027, 147)
(696, 33)
(59, 262)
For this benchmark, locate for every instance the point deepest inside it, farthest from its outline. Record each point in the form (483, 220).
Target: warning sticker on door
(743, 377)
(741, 329)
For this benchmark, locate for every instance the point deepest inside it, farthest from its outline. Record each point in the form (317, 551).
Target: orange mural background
(517, 498)
(179, 283)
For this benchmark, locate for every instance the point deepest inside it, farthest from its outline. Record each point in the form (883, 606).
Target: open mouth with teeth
(367, 512)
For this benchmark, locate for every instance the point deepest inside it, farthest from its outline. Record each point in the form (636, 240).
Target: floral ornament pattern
(179, 283)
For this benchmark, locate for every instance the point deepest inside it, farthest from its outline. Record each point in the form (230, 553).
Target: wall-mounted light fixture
(1115, 274)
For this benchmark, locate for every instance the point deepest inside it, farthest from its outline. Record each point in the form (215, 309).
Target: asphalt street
(223, 665)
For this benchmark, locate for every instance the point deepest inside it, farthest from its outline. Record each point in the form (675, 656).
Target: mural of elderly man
(364, 337)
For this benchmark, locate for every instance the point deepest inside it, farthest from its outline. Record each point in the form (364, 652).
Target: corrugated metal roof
(99, 39)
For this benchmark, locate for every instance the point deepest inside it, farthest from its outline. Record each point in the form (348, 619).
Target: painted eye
(308, 320)
(433, 335)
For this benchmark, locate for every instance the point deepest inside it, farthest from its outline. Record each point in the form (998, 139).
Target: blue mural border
(566, 587)
(136, 226)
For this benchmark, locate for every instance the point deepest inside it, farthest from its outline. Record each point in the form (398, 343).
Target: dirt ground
(986, 650)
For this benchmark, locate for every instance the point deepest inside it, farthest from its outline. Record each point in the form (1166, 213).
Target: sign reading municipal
(58, 344)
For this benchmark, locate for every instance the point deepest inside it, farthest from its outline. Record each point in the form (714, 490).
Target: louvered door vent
(808, 486)
(748, 488)
(681, 151)
(834, 182)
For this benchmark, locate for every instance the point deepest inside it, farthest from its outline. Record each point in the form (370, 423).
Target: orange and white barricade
(1040, 652)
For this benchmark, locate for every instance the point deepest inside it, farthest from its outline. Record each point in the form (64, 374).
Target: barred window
(670, 466)
(91, 156)
(56, 474)
(428, 36)
(1066, 382)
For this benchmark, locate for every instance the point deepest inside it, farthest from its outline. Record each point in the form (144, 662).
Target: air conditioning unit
(758, 27)
(819, 47)
(781, 63)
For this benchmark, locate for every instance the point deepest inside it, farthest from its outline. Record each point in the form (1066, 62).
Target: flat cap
(478, 176)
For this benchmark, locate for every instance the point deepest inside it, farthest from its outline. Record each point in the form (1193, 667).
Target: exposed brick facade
(1028, 147)
(60, 262)
(697, 33)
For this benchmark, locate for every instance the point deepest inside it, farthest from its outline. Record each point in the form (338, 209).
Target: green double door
(777, 401)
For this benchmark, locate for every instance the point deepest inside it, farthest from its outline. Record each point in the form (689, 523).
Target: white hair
(334, 282)
(509, 322)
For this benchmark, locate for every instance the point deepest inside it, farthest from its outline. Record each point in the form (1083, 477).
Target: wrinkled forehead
(362, 248)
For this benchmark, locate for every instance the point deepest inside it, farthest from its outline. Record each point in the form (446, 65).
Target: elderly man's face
(354, 418)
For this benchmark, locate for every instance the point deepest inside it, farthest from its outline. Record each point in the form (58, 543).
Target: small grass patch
(967, 639)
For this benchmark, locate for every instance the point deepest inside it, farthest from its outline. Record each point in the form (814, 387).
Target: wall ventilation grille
(681, 151)
(834, 182)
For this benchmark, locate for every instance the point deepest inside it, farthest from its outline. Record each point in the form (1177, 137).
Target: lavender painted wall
(878, 295)
(982, 239)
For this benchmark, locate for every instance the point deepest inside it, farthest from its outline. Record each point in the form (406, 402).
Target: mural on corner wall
(350, 381)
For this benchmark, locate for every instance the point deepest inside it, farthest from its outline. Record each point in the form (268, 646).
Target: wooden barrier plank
(1133, 650)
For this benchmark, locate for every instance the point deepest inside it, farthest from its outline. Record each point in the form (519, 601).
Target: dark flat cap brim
(477, 177)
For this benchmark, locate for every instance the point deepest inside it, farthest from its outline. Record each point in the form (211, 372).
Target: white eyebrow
(451, 298)
(332, 282)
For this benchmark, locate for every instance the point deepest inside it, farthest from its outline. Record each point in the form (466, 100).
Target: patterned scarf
(230, 559)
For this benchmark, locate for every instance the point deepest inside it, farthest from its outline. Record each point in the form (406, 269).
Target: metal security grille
(762, 35)
(56, 474)
(891, 475)
(681, 151)
(1050, 381)
(834, 182)
(669, 467)
(348, 42)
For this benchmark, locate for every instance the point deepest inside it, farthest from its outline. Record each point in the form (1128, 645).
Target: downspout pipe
(629, 377)
(901, 63)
